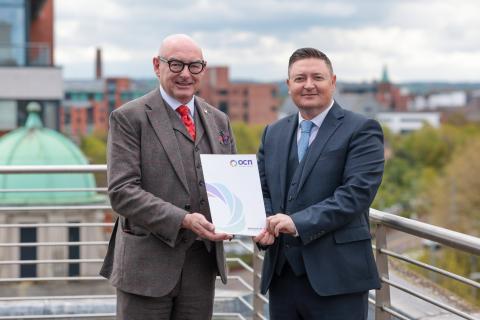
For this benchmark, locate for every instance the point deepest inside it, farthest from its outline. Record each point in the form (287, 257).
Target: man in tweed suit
(164, 254)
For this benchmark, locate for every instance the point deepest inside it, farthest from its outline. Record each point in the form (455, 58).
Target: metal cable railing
(459, 241)
(383, 221)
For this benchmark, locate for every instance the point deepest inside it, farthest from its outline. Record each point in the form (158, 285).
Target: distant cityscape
(81, 107)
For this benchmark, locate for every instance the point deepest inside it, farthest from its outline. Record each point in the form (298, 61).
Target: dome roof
(35, 145)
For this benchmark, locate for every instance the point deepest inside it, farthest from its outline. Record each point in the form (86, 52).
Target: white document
(234, 193)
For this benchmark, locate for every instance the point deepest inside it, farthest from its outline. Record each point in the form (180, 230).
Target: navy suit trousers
(293, 298)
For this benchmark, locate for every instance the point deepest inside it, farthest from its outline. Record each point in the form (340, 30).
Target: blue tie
(302, 147)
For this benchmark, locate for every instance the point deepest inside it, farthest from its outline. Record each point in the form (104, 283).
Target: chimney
(98, 64)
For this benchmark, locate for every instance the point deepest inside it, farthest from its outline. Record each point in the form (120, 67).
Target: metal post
(382, 296)
(474, 275)
(258, 303)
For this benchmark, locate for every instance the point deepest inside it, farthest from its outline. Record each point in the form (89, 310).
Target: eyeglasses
(177, 66)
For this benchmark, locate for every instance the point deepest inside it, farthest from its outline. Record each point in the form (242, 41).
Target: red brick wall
(250, 102)
(41, 28)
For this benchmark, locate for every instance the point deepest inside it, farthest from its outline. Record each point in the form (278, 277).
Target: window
(28, 253)
(13, 32)
(66, 116)
(73, 251)
(90, 115)
(223, 106)
(8, 110)
(111, 86)
(98, 96)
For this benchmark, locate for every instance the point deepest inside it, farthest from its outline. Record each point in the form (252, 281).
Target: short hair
(306, 53)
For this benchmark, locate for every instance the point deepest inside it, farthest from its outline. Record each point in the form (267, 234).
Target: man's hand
(203, 228)
(281, 223)
(265, 238)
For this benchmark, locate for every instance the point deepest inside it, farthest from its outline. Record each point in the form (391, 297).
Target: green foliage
(454, 261)
(425, 147)
(247, 137)
(94, 146)
(416, 163)
(454, 197)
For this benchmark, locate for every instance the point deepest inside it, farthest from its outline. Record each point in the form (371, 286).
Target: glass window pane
(8, 120)
(12, 32)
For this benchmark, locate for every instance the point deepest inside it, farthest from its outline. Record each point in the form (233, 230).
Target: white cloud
(428, 40)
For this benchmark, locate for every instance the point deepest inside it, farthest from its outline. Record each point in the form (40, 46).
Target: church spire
(385, 78)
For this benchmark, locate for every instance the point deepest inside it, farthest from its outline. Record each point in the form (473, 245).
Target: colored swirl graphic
(235, 218)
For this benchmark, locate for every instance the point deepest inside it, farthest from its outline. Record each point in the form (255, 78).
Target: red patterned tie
(187, 120)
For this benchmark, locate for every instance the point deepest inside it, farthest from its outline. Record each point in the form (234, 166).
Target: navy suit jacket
(330, 203)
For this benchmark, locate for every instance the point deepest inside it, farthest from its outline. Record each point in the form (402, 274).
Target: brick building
(250, 102)
(87, 103)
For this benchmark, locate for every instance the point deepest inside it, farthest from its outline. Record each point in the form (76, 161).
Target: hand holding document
(234, 193)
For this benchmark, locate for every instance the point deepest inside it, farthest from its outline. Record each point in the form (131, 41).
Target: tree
(454, 199)
(94, 146)
(247, 137)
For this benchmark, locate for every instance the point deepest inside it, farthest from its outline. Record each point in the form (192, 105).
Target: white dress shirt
(174, 103)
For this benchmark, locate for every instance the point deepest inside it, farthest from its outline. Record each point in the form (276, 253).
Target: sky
(418, 40)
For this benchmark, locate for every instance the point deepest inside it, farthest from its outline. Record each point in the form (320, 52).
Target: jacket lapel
(160, 121)
(209, 125)
(326, 130)
(285, 138)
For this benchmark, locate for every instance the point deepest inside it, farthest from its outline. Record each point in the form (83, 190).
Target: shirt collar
(174, 103)
(318, 120)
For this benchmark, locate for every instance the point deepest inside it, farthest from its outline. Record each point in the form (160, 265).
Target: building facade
(405, 122)
(27, 69)
(249, 102)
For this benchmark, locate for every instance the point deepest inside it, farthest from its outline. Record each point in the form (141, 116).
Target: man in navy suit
(320, 170)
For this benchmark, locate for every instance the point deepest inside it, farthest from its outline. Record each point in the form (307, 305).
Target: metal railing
(383, 221)
(254, 302)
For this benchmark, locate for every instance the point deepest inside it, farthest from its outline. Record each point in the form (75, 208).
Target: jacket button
(200, 183)
(290, 198)
(187, 207)
(196, 149)
(202, 202)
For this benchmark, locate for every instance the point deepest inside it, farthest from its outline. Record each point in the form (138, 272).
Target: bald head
(176, 42)
(179, 50)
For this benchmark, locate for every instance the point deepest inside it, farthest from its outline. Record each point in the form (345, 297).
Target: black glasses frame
(190, 65)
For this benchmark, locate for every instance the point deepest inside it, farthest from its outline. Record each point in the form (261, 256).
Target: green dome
(36, 145)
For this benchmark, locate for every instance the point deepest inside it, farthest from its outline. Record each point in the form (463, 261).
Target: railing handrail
(441, 235)
(90, 168)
